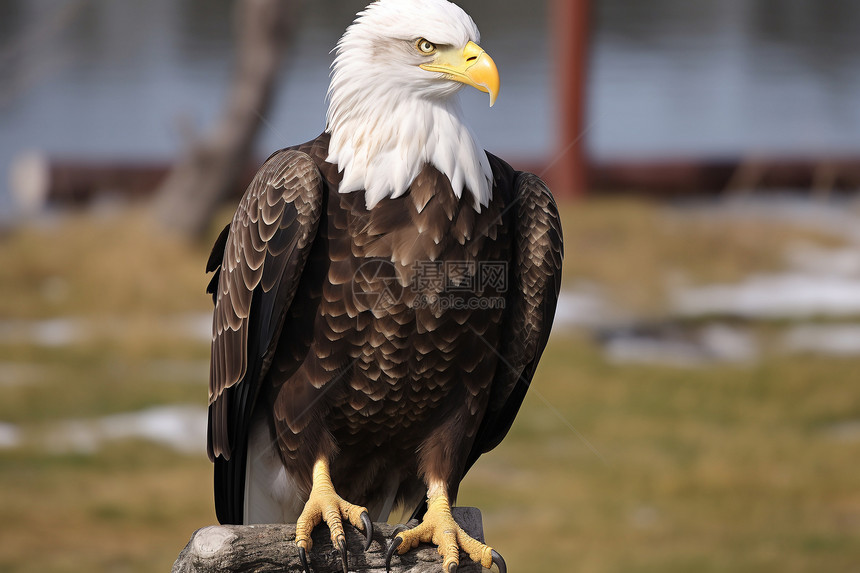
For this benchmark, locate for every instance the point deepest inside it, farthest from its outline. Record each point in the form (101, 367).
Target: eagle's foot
(325, 505)
(440, 529)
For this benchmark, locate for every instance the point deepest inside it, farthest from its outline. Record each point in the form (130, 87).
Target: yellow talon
(440, 529)
(325, 505)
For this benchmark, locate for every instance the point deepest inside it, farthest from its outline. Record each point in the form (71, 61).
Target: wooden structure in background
(568, 167)
(67, 183)
(39, 180)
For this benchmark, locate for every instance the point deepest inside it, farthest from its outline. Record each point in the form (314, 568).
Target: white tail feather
(271, 496)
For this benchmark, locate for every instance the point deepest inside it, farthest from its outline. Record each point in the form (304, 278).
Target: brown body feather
(365, 336)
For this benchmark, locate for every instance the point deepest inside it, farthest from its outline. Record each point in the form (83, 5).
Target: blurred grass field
(609, 468)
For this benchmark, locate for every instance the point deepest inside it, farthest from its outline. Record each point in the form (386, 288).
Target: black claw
(499, 562)
(368, 529)
(304, 558)
(341, 545)
(395, 543)
(452, 568)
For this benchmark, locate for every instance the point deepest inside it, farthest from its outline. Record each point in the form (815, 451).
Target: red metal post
(568, 167)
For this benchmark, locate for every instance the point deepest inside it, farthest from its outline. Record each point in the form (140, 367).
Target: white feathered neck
(388, 118)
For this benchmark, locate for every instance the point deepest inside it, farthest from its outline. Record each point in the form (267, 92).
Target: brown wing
(534, 283)
(264, 253)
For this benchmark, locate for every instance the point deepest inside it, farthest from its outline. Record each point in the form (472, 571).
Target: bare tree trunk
(189, 197)
(272, 548)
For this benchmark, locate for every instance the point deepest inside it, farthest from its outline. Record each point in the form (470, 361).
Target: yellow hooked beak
(473, 67)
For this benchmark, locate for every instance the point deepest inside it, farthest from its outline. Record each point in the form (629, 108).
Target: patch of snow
(819, 261)
(197, 326)
(49, 333)
(727, 344)
(181, 428)
(827, 339)
(670, 346)
(847, 432)
(792, 295)
(585, 307)
(10, 436)
(640, 350)
(58, 332)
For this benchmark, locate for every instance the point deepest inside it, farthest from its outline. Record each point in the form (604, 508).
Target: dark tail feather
(230, 489)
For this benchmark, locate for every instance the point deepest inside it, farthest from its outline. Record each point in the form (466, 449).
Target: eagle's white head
(393, 104)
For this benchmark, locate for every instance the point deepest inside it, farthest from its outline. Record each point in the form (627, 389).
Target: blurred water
(724, 77)
(99, 79)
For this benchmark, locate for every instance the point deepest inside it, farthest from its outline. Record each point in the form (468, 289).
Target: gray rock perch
(270, 548)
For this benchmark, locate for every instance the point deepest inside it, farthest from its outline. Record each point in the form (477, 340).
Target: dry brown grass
(633, 247)
(118, 264)
(129, 508)
(698, 470)
(722, 469)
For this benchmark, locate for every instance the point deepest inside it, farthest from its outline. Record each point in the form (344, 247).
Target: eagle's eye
(425, 46)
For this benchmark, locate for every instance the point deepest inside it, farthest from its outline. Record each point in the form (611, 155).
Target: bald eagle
(382, 297)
